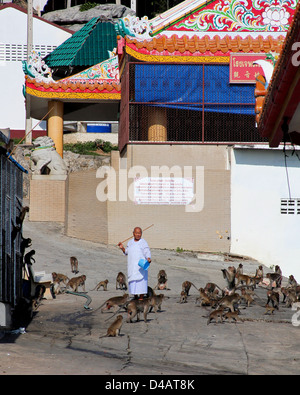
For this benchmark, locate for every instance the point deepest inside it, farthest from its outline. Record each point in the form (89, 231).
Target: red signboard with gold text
(242, 70)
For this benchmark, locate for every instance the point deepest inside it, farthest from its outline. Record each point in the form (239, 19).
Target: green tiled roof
(86, 47)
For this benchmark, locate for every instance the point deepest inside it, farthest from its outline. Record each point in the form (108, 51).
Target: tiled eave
(74, 90)
(177, 49)
(282, 96)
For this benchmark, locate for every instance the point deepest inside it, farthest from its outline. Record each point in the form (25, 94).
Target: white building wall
(258, 228)
(13, 49)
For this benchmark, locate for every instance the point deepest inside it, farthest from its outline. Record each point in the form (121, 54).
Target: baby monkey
(115, 328)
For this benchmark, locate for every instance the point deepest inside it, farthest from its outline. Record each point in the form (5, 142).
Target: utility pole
(133, 5)
(28, 125)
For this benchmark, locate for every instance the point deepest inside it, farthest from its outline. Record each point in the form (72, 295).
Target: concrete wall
(258, 183)
(47, 198)
(86, 216)
(203, 229)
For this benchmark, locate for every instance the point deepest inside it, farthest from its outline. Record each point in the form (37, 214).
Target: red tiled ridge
(194, 45)
(75, 86)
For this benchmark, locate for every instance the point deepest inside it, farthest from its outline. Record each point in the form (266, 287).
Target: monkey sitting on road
(162, 280)
(121, 281)
(76, 282)
(115, 328)
(101, 284)
(74, 264)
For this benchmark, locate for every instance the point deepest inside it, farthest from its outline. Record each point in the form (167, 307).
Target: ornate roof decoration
(281, 99)
(100, 81)
(190, 49)
(133, 26)
(250, 17)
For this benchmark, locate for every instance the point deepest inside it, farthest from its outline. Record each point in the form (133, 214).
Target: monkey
(229, 275)
(183, 297)
(269, 309)
(241, 278)
(76, 282)
(25, 243)
(215, 315)
(15, 231)
(121, 281)
(150, 292)
(239, 270)
(74, 264)
(284, 291)
(291, 297)
(28, 259)
(115, 302)
(274, 277)
(211, 289)
(278, 270)
(115, 328)
(186, 286)
(273, 297)
(204, 299)
(259, 274)
(101, 284)
(156, 302)
(248, 298)
(135, 307)
(57, 279)
(38, 296)
(232, 316)
(229, 301)
(162, 280)
(292, 282)
(20, 218)
(60, 278)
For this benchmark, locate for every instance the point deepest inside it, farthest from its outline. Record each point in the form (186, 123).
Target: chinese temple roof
(280, 103)
(87, 46)
(223, 16)
(174, 48)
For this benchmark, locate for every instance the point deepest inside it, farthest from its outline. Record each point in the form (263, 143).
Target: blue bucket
(144, 264)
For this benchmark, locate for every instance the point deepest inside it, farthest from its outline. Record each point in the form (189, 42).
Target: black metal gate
(11, 196)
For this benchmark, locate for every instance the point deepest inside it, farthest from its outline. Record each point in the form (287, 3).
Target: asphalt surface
(63, 336)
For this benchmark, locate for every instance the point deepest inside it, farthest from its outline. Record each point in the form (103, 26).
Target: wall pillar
(157, 124)
(56, 123)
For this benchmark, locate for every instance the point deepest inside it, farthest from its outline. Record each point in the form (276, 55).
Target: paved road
(63, 337)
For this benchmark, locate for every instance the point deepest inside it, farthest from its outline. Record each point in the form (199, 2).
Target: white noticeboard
(164, 190)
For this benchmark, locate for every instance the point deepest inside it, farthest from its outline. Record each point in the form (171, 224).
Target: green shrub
(87, 6)
(90, 147)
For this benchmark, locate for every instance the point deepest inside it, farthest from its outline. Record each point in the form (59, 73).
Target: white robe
(135, 251)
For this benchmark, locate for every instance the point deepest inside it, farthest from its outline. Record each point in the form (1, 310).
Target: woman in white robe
(137, 277)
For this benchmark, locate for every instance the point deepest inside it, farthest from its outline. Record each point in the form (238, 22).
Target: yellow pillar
(56, 123)
(157, 124)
